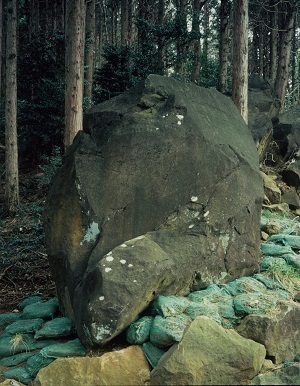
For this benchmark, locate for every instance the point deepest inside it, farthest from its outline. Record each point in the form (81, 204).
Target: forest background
(60, 57)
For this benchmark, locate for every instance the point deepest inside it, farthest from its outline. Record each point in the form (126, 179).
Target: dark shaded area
(24, 267)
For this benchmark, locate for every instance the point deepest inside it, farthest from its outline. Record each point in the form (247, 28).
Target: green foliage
(50, 166)
(286, 275)
(209, 75)
(40, 96)
(114, 77)
(40, 117)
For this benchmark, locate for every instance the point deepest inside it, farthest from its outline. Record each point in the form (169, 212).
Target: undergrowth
(286, 275)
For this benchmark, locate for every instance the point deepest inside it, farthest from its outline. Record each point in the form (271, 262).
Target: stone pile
(251, 322)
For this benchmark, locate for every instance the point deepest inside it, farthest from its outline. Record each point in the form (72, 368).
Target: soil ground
(24, 267)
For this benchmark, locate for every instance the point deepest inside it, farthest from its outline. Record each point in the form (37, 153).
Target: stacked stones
(258, 313)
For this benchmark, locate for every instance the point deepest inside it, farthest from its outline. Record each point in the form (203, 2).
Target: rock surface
(278, 331)
(123, 367)
(285, 376)
(209, 355)
(168, 160)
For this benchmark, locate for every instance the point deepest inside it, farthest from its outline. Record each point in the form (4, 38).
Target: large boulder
(161, 194)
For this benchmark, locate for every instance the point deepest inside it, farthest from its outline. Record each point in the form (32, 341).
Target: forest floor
(24, 267)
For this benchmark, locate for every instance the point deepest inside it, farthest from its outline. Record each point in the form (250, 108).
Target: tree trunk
(74, 37)
(99, 32)
(195, 76)
(89, 53)
(295, 55)
(11, 144)
(285, 45)
(1, 37)
(255, 51)
(34, 18)
(240, 57)
(124, 24)
(273, 39)
(181, 27)
(225, 9)
(261, 49)
(160, 41)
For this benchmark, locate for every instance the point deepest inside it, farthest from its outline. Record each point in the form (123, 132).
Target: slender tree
(1, 37)
(89, 52)
(11, 144)
(273, 39)
(160, 40)
(240, 57)
(225, 9)
(181, 28)
(74, 68)
(124, 23)
(286, 24)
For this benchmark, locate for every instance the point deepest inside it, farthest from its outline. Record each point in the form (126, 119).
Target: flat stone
(124, 367)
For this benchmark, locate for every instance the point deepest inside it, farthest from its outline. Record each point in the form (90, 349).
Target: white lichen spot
(109, 253)
(109, 258)
(224, 240)
(206, 214)
(123, 261)
(164, 116)
(130, 265)
(180, 117)
(81, 243)
(100, 332)
(134, 281)
(107, 269)
(194, 198)
(196, 214)
(123, 245)
(191, 226)
(157, 128)
(101, 298)
(178, 122)
(92, 232)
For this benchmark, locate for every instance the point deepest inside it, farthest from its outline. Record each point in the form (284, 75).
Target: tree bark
(195, 76)
(74, 71)
(124, 24)
(11, 144)
(1, 37)
(181, 26)
(34, 18)
(273, 39)
(89, 53)
(288, 12)
(261, 49)
(160, 40)
(240, 57)
(225, 10)
(99, 33)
